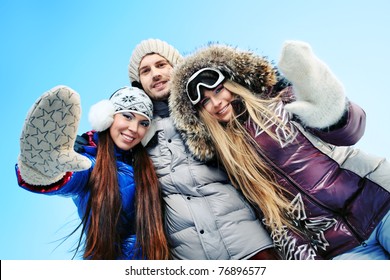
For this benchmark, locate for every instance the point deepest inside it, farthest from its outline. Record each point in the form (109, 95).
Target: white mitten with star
(320, 98)
(48, 136)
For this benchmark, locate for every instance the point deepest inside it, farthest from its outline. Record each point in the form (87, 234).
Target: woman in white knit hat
(288, 148)
(112, 183)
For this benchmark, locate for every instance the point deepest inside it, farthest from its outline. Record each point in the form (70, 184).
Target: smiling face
(128, 129)
(217, 102)
(155, 74)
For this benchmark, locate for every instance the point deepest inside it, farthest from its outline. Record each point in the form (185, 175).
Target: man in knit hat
(205, 216)
(161, 56)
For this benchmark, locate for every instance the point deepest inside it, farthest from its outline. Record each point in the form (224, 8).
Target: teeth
(223, 110)
(128, 137)
(158, 85)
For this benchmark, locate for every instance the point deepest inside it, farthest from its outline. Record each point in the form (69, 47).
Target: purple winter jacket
(339, 192)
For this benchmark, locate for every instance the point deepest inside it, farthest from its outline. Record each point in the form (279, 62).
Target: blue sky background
(87, 45)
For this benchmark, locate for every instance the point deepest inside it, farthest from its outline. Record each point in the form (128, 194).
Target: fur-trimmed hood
(246, 68)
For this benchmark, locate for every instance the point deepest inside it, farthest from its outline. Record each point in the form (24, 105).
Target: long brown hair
(237, 152)
(100, 223)
(150, 225)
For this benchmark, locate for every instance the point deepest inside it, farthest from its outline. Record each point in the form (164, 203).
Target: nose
(133, 126)
(155, 73)
(215, 101)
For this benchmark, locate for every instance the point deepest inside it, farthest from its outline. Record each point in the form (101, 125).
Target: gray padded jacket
(205, 216)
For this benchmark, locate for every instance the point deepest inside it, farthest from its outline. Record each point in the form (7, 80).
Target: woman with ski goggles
(287, 145)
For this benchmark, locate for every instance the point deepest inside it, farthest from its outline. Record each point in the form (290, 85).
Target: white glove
(48, 136)
(320, 99)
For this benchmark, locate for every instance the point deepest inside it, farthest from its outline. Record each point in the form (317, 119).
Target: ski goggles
(206, 77)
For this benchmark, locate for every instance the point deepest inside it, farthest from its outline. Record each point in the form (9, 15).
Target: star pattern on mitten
(49, 134)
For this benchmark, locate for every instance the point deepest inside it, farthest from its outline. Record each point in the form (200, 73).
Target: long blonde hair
(246, 169)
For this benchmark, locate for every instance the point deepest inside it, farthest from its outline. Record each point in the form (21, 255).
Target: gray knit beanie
(151, 46)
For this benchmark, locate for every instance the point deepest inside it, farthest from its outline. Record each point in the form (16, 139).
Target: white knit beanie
(126, 99)
(151, 46)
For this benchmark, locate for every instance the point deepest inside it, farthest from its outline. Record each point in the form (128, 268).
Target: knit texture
(320, 99)
(125, 99)
(48, 136)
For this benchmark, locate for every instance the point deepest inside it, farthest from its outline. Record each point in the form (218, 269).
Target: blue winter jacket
(74, 185)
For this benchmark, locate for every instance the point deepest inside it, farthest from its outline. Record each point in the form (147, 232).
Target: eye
(205, 101)
(144, 71)
(145, 123)
(162, 64)
(128, 116)
(218, 89)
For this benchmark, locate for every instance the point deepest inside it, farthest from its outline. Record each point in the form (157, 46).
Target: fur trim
(246, 68)
(101, 115)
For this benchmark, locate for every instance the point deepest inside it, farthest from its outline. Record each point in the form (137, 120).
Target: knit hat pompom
(151, 46)
(101, 115)
(125, 99)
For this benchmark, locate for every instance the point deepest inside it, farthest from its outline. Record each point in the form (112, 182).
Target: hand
(320, 99)
(48, 136)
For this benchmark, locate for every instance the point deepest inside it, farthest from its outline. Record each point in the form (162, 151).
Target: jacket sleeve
(347, 132)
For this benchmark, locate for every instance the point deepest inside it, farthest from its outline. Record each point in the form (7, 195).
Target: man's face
(155, 73)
